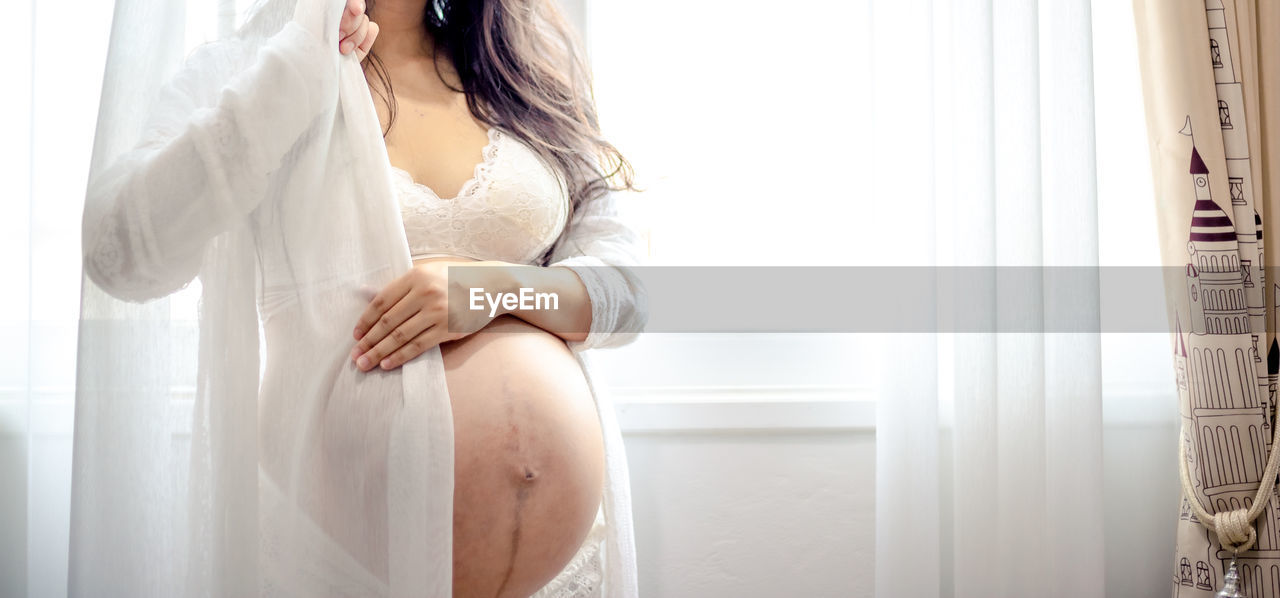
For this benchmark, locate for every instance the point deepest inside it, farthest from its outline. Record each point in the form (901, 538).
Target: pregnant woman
(495, 164)
(489, 138)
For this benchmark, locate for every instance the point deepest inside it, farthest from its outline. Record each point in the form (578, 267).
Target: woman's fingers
(353, 21)
(355, 37)
(387, 327)
(416, 346)
(350, 18)
(406, 341)
(362, 49)
(391, 330)
(388, 297)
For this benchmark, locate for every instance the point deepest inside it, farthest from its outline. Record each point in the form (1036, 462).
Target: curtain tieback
(1234, 528)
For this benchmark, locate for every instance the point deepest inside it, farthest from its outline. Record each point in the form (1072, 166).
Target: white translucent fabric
(258, 166)
(997, 119)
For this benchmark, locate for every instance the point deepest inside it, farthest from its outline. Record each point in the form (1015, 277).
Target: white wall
(754, 513)
(1142, 494)
(780, 512)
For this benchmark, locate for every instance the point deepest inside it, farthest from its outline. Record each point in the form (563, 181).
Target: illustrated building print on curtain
(1227, 395)
(1235, 141)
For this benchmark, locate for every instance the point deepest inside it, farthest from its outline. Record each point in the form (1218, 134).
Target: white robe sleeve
(205, 160)
(600, 248)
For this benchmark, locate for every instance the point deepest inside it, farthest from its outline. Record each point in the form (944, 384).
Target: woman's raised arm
(212, 144)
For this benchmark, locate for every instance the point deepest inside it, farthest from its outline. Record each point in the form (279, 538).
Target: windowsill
(657, 410)
(705, 409)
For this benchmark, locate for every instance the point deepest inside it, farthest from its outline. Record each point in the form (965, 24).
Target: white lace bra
(511, 210)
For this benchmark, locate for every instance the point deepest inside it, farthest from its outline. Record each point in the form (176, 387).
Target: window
(732, 136)
(730, 158)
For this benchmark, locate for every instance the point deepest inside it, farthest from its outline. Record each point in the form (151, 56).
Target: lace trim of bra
(479, 176)
(512, 209)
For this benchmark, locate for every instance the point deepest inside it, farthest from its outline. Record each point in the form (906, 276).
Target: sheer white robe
(260, 168)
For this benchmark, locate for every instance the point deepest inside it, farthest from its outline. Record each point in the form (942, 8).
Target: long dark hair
(522, 70)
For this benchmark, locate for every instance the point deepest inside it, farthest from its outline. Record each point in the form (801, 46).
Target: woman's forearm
(551, 298)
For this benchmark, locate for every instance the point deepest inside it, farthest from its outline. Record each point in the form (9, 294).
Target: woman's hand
(411, 314)
(356, 31)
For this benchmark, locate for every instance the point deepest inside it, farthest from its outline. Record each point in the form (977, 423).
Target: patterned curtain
(1209, 73)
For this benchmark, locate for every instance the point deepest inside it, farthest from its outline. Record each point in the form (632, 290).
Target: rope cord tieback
(1234, 528)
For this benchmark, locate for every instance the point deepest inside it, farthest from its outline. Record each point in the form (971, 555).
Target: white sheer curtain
(930, 132)
(52, 77)
(995, 131)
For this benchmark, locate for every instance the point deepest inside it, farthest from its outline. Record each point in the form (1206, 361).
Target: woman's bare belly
(528, 458)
